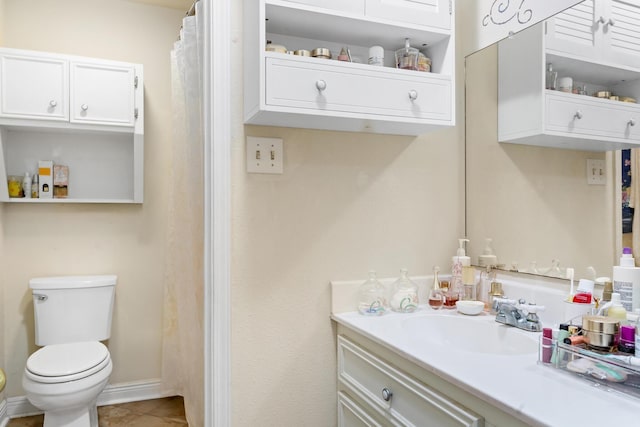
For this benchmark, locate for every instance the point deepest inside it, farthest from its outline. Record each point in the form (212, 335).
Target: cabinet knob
(321, 85)
(602, 20)
(387, 394)
(53, 103)
(578, 115)
(84, 107)
(632, 122)
(413, 95)
(611, 22)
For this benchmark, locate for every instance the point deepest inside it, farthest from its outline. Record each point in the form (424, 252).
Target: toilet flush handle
(40, 297)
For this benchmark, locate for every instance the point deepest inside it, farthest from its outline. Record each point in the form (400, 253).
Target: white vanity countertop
(516, 383)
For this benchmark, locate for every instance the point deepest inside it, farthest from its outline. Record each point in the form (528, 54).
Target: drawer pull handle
(632, 122)
(387, 394)
(84, 107)
(321, 85)
(413, 95)
(578, 115)
(52, 103)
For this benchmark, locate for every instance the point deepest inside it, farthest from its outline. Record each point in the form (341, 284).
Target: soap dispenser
(404, 294)
(457, 262)
(372, 297)
(488, 257)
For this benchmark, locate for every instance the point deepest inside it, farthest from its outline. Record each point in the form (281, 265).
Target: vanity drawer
(350, 414)
(593, 117)
(349, 89)
(411, 403)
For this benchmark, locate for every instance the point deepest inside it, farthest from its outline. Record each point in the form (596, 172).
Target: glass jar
(404, 294)
(407, 57)
(373, 300)
(15, 186)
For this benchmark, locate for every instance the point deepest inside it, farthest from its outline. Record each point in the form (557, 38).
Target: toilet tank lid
(64, 282)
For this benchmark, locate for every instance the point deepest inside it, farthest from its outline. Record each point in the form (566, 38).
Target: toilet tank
(72, 308)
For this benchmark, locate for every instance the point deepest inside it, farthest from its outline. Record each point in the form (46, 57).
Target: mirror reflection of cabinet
(529, 114)
(603, 31)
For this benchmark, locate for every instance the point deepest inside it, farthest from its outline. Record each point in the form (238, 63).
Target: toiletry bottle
(495, 292)
(627, 343)
(372, 297)
(26, 185)
(404, 297)
(457, 262)
(436, 296)
(626, 280)
(34, 186)
(551, 77)
(488, 258)
(470, 287)
(616, 309)
(606, 293)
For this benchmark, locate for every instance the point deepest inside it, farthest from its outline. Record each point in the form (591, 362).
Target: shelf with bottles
(104, 167)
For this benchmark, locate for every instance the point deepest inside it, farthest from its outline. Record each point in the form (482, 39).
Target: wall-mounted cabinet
(530, 114)
(297, 91)
(84, 113)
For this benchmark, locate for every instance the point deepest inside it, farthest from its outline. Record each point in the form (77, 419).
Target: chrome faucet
(519, 314)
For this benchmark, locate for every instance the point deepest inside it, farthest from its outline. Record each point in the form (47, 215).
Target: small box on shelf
(45, 171)
(60, 181)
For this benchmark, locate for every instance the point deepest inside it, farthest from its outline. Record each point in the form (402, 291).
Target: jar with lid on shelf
(407, 57)
(373, 301)
(404, 294)
(15, 186)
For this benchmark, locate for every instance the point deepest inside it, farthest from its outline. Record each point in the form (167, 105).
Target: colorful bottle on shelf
(436, 296)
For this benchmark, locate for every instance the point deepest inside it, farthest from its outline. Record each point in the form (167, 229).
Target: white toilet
(64, 378)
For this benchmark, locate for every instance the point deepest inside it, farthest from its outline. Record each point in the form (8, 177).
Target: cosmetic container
(551, 77)
(404, 297)
(436, 296)
(372, 297)
(627, 342)
(407, 57)
(376, 56)
(626, 280)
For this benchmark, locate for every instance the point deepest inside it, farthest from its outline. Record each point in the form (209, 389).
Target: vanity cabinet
(530, 114)
(378, 387)
(604, 31)
(297, 91)
(84, 113)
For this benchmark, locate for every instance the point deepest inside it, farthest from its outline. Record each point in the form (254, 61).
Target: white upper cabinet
(102, 94)
(603, 31)
(34, 87)
(431, 13)
(292, 90)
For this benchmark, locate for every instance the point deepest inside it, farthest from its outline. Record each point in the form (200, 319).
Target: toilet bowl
(64, 380)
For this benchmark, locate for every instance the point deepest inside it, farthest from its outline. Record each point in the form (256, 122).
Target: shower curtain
(183, 354)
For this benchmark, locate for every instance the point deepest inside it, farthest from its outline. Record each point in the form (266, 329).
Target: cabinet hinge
(450, 7)
(135, 82)
(135, 113)
(545, 27)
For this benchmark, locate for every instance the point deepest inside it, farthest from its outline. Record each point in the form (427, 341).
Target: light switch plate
(595, 172)
(265, 155)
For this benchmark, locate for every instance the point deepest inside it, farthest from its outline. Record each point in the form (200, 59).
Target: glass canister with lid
(404, 294)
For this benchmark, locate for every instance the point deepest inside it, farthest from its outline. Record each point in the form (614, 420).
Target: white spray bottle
(626, 281)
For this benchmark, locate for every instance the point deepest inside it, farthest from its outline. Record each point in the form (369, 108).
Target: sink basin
(474, 335)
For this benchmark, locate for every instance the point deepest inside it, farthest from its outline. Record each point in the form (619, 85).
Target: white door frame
(217, 190)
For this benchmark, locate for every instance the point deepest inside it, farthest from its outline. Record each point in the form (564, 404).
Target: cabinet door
(34, 87)
(102, 94)
(577, 31)
(352, 6)
(621, 31)
(430, 13)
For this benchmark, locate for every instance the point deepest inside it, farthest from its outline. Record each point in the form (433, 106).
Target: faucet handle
(531, 307)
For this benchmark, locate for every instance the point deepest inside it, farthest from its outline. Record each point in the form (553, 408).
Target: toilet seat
(59, 363)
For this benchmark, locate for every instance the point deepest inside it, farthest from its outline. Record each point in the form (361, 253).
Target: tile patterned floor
(167, 412)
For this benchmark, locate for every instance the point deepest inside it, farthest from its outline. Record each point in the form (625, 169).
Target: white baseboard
(112, 394)
(4, 417)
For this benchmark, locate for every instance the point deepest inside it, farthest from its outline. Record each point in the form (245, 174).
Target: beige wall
(346, 203)
(534, 202)
(127, 240)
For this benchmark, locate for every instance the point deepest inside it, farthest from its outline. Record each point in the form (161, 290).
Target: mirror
(534, 202)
